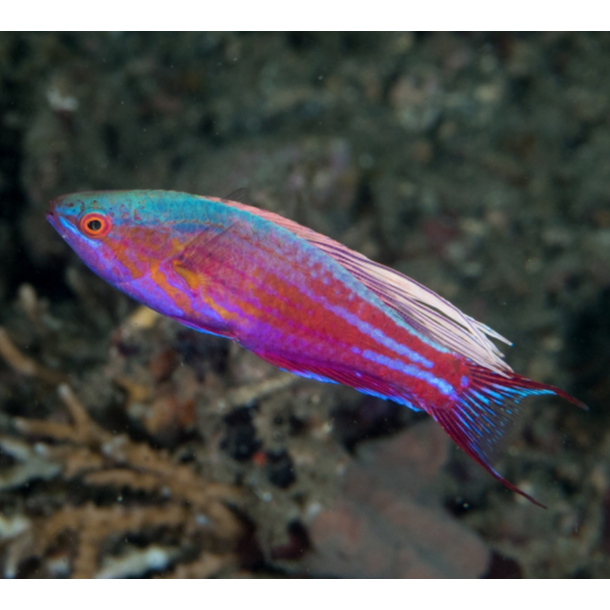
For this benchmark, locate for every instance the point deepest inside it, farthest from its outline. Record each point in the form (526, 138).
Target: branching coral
(179, 499)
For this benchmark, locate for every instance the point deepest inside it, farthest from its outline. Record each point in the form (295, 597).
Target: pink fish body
(303, 302)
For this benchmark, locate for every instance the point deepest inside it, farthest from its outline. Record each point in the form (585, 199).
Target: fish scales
(304, 303)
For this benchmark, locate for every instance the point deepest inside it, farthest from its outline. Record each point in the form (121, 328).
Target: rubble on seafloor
(388, 521)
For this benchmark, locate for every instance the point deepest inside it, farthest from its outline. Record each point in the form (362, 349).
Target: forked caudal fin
(480, 422)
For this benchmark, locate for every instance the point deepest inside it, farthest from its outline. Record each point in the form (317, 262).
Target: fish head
(119, 235)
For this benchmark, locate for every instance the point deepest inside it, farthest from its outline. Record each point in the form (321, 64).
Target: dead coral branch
(180, 500)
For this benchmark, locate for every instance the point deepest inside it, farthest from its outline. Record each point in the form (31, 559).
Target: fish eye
(95, 225)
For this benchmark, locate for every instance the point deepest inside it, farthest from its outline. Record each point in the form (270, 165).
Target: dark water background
(478, 164)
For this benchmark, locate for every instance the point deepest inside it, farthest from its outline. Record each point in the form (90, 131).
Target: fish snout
(64, 210)
(51, 215)
(62, 215)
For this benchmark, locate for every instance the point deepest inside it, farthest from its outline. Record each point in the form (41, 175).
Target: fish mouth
(56, 221)
(52, 217)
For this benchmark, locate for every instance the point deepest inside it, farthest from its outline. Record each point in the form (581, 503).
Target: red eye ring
(95, 225)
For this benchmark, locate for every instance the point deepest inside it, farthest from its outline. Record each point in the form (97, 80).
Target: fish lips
(61, 224)
(53, 219)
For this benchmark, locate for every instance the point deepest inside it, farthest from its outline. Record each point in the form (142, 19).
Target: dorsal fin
(424, 310)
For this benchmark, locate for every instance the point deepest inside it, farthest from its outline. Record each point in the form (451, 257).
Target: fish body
(303, 302)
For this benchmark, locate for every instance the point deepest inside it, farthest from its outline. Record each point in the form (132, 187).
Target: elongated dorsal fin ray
(240, 195)
(425, 311)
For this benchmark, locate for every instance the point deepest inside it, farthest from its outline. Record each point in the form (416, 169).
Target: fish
(304, 303)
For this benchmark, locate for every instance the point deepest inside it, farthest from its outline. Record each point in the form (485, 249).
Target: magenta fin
(323, 371)
(483, 418)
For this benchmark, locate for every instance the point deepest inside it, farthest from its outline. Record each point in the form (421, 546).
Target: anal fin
(323, 371)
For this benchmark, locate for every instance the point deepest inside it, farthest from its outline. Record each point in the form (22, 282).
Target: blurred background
(478, 164)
